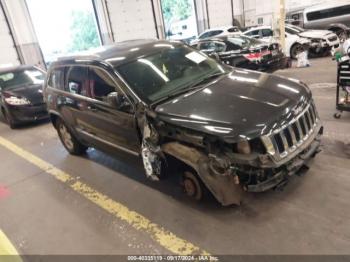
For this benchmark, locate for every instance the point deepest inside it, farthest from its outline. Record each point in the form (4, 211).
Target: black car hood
(243, 104)
(32, 92)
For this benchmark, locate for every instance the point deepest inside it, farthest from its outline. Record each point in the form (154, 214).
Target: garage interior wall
(131, 19)
(9, 55)
(202, 15)
(220, 13)
(23, 32)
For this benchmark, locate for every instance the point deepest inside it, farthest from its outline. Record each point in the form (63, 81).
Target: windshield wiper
(194, 86)
(203, 81)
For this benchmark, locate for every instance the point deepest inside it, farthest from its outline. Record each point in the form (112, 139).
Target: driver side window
(101, 84)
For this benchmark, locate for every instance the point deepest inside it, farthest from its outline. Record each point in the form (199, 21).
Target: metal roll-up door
(8, 52)
(220, 13)
(131, 19)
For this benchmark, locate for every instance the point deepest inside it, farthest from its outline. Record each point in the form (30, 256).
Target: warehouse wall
(23, 32)
(220, 12)
(131, 19)
(9, 55)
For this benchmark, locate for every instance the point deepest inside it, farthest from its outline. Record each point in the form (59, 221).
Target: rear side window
(56, 79)
(77, 80)
(232, 30)
(253, 33)
(328, 13)
(215, 32)
(266, 32)
(205, 35)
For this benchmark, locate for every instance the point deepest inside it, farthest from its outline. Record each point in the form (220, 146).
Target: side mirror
(215, 56)
(118, 101)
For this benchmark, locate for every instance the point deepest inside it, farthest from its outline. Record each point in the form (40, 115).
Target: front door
(100, 122)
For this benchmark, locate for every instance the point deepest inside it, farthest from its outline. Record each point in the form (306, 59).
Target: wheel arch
(291, 48)
(337, 26)
(222, 187)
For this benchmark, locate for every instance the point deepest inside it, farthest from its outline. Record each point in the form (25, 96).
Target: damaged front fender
(223, 186)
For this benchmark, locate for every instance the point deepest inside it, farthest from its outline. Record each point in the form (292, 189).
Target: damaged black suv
(231, 130)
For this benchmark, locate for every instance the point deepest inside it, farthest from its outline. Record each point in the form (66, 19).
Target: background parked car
(245, 52)
(294, 43)
(216, 32)
(21, 97)
(331, 16)
(322, 41)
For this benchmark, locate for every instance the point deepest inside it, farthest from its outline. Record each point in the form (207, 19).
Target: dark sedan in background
(21, 97)
(245, 52)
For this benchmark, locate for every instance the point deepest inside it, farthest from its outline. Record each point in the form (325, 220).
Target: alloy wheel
(66, 137)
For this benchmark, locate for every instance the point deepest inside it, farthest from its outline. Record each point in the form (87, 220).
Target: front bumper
(22, 114)
(289, 169)
(324, 45)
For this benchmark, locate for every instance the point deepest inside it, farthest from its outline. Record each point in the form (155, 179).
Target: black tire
(72, 145)
(294, 50)
(8, 119)
(193, 186)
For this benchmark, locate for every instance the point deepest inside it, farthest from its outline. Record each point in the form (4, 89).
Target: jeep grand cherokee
(232, 130)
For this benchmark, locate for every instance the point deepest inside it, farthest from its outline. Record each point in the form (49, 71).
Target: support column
(158, 16)
(103, 21)
(202, 15)
(23, 32)
(282, 18)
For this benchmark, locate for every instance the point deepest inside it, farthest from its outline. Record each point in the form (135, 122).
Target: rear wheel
(68, 140)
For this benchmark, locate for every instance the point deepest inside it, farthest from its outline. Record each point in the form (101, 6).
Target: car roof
(258, 28)
(16, 68)
(221, 28)
(118, 53)
(222, 38)
(226, 38)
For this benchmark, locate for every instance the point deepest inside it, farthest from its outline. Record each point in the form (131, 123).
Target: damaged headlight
(243, 147)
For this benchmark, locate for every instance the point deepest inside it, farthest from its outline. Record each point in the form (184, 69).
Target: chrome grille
(286, 140)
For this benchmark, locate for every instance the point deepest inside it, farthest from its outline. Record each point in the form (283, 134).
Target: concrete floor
(311, 216)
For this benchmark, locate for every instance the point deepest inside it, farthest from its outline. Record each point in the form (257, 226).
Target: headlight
(243, 147)
(316, 40)
(17, 101)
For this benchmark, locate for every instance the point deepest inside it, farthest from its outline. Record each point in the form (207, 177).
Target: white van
(331, 16)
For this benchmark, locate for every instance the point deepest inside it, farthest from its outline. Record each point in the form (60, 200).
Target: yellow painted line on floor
(162, 236)
(7, 249)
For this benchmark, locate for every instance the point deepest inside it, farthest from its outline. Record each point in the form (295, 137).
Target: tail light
(256, 56)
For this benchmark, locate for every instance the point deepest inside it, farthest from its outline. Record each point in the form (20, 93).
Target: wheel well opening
(181, 167)
(335, 28)
(53, 118)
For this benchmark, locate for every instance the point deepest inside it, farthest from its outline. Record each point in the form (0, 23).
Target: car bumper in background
(28, 113)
